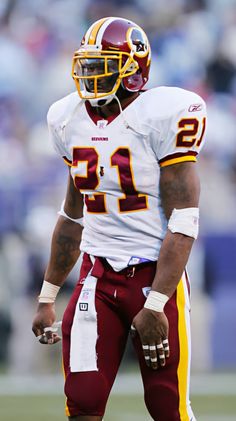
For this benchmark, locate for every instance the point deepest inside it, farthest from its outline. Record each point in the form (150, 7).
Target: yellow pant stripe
(67, 412)
(183, 368)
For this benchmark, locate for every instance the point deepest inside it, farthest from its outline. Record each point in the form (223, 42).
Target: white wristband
(48, 293)
(185, 221)
(156, 301)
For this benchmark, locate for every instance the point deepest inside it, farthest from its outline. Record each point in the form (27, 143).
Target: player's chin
(102, 87)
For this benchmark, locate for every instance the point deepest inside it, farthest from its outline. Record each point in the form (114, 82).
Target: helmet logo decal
(138, 42)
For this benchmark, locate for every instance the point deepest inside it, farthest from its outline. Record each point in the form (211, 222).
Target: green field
(120, 408)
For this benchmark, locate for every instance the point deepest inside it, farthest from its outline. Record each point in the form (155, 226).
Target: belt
(101, 264)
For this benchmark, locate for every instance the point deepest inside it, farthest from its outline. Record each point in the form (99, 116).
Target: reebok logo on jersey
(195, 107)
(99, 139)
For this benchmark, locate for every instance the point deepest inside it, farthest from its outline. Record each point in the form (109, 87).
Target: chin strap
(127, 125)
(101, 101)
(95, 103)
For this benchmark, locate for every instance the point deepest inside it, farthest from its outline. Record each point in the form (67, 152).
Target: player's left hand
(153, 329)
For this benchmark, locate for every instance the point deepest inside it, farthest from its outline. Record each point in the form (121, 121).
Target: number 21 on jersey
(187, 135)
(131, 200)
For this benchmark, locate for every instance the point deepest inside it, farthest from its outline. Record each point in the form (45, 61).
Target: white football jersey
(116, 165)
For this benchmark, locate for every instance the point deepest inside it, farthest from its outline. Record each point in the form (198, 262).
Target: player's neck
(113, 107)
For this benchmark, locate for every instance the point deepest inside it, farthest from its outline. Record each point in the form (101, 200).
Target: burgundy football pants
(119, 297)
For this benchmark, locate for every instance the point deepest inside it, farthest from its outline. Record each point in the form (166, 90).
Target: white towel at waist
(83, 356)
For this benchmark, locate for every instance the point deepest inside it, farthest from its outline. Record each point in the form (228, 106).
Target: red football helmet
(113, 52)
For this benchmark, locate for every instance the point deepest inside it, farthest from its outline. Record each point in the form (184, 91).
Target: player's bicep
(179, 187)
(74, 200)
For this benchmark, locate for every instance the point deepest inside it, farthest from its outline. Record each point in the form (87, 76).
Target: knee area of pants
(87, 392)
(162, 403)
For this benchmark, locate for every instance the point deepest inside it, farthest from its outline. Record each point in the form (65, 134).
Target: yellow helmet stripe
(103, 28)
(93, 34)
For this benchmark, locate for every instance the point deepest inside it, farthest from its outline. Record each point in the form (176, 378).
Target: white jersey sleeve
(56, 140)
(58, 117)
(183, 132)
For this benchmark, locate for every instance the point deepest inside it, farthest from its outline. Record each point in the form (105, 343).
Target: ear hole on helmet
(131, 67)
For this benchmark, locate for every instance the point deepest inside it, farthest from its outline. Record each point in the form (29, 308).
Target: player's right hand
(44, 326)
(153, 328)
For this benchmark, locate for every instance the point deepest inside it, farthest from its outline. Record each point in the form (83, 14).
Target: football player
(131, 207)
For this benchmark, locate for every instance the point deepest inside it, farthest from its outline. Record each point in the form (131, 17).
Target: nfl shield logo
(101, 124)
(85, 294)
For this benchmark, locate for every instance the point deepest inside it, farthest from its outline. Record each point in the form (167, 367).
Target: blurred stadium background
(194, 46)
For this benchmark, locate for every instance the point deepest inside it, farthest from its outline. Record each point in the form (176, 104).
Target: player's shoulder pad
(168, 100)
(61, 110)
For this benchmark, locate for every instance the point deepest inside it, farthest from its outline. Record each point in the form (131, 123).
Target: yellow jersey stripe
(94, 32)
(177, 160)
(182, 371)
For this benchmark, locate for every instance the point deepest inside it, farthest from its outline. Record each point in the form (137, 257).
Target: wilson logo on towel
(83, 306)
